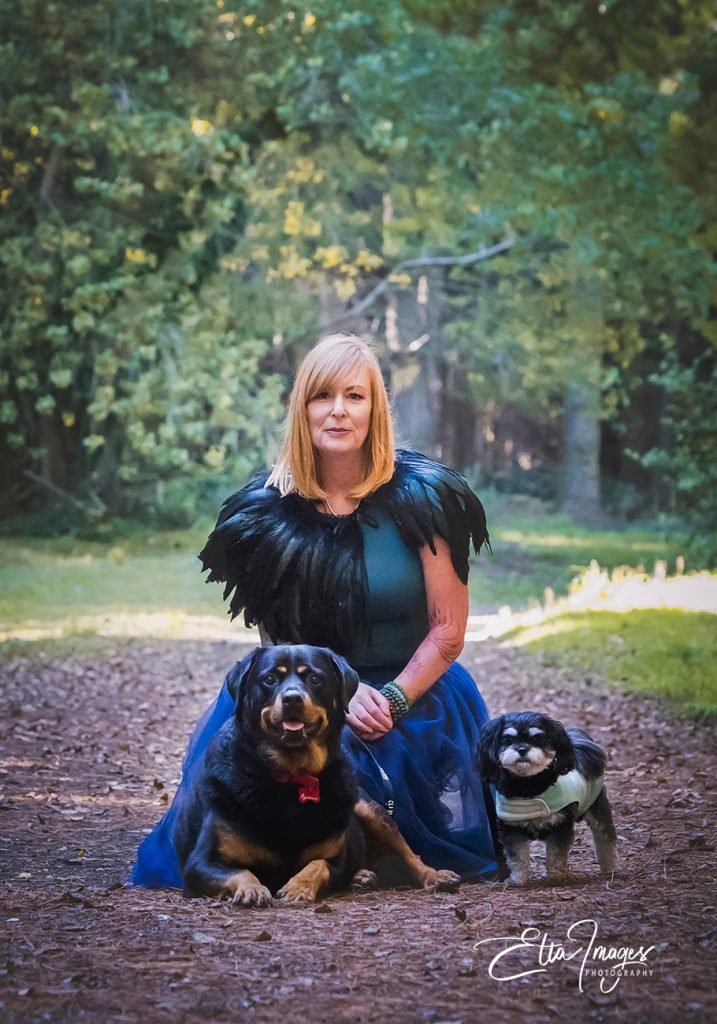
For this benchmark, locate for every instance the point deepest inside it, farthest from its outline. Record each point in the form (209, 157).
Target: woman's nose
(338, 409)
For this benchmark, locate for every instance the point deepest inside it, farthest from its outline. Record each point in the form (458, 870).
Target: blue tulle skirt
(428, 758)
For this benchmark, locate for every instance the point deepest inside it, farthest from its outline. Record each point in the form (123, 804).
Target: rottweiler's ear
(489, 748)
(564, 752)
(239, 673)
(349, 678)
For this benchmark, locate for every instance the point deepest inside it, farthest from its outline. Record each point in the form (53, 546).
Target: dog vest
(569, 789)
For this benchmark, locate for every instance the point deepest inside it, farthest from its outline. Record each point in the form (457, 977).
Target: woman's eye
(355, 395)
(321, 396)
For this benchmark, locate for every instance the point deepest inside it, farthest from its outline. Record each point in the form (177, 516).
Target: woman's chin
(338, 443)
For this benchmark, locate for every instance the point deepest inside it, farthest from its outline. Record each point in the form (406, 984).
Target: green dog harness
(569, 789)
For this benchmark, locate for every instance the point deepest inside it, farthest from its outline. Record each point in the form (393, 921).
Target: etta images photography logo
(607, 963)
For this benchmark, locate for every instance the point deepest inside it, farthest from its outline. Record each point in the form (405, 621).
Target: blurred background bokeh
(514, 199)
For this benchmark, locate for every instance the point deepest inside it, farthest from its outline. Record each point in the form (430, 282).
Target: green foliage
(128, 359)
(191, 190)
(689, 463)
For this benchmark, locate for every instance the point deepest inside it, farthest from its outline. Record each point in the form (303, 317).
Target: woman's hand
(369, 713)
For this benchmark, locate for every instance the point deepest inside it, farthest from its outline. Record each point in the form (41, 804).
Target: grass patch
(534, 549)
(74, 585)
(664, 651)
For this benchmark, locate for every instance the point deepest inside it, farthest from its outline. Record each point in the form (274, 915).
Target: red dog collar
(308, 786)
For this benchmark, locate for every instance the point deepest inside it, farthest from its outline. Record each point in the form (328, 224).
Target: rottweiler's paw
(364, 879)
(297, 892)
(248, 895)
(441, 881)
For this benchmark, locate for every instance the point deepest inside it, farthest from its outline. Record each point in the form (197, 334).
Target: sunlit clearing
(159, 625)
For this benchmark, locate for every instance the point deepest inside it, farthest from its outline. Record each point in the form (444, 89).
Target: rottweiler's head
(291, 701)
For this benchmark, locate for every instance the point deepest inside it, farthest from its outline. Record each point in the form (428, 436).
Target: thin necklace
(341, 515)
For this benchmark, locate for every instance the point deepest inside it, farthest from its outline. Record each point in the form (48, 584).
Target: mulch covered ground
(90, 747)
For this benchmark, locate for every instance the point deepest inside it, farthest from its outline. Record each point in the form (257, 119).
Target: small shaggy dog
(545, 778)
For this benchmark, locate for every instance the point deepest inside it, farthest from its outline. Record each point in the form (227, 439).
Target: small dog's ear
(488, 749)
(564, 752)
(239, 673)
(349, 678)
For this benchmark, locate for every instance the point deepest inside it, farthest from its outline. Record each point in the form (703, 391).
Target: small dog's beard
(533, 762)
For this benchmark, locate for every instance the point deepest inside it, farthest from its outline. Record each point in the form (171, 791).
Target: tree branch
(484, 253)
(48, 178)
(58, 492)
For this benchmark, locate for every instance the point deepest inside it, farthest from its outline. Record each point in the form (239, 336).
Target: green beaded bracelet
(397, 698)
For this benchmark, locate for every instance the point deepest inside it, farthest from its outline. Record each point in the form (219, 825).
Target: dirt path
(89, 752)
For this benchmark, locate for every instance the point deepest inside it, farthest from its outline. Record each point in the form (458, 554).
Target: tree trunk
(581, 450)
(583, 398)
(54, 461)
(458, 419)
(415, 379)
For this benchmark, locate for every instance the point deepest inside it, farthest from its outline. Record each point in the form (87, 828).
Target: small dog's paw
(364, 880)
(612, 872)
(517, 878)
(556, 876)
(441, 881)
(248, 895)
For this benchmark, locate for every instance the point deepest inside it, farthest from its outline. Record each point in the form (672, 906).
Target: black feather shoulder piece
(302, 573)
(427, 499)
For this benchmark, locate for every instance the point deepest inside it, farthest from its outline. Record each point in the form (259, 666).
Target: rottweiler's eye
(271, 679)
(314, 679)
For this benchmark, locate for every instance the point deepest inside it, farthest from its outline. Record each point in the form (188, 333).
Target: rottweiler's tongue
(293, 726)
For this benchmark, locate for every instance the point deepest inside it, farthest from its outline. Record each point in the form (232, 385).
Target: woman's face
(339, 415)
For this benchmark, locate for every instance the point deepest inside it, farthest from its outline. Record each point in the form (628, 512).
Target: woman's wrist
(398, 700)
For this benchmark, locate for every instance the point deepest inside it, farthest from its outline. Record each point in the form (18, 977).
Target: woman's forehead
(345, 377)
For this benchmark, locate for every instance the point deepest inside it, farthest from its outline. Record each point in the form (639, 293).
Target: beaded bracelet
(397, 698)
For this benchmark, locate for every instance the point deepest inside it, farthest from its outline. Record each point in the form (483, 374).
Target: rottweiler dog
(276, 809)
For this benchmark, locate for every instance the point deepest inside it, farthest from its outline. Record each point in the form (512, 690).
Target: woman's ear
(239, 673)
(348, 677)
(488, 750)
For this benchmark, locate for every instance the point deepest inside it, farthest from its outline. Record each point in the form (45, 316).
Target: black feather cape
(301, 573)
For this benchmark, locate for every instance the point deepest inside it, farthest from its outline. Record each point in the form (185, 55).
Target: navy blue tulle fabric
(429, 759)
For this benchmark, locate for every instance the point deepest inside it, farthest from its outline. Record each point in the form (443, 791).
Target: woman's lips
(336, 430)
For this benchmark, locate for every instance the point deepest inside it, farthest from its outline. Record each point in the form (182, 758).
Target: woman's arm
(447, 602)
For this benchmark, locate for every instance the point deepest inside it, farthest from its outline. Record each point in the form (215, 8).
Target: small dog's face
(292, 695)
(524, 743)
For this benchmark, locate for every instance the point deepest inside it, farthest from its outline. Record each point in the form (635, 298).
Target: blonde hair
(332, 357)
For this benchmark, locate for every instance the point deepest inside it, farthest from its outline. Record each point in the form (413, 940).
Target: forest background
(514, 199)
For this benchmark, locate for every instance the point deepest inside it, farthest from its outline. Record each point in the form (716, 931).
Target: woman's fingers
(356, 724)
(370, 721)
(363, 726)
(369, 713)
(369, 710)
(381, 710)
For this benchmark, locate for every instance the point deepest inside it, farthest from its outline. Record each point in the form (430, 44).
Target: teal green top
(396, 602)
(570, 788)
